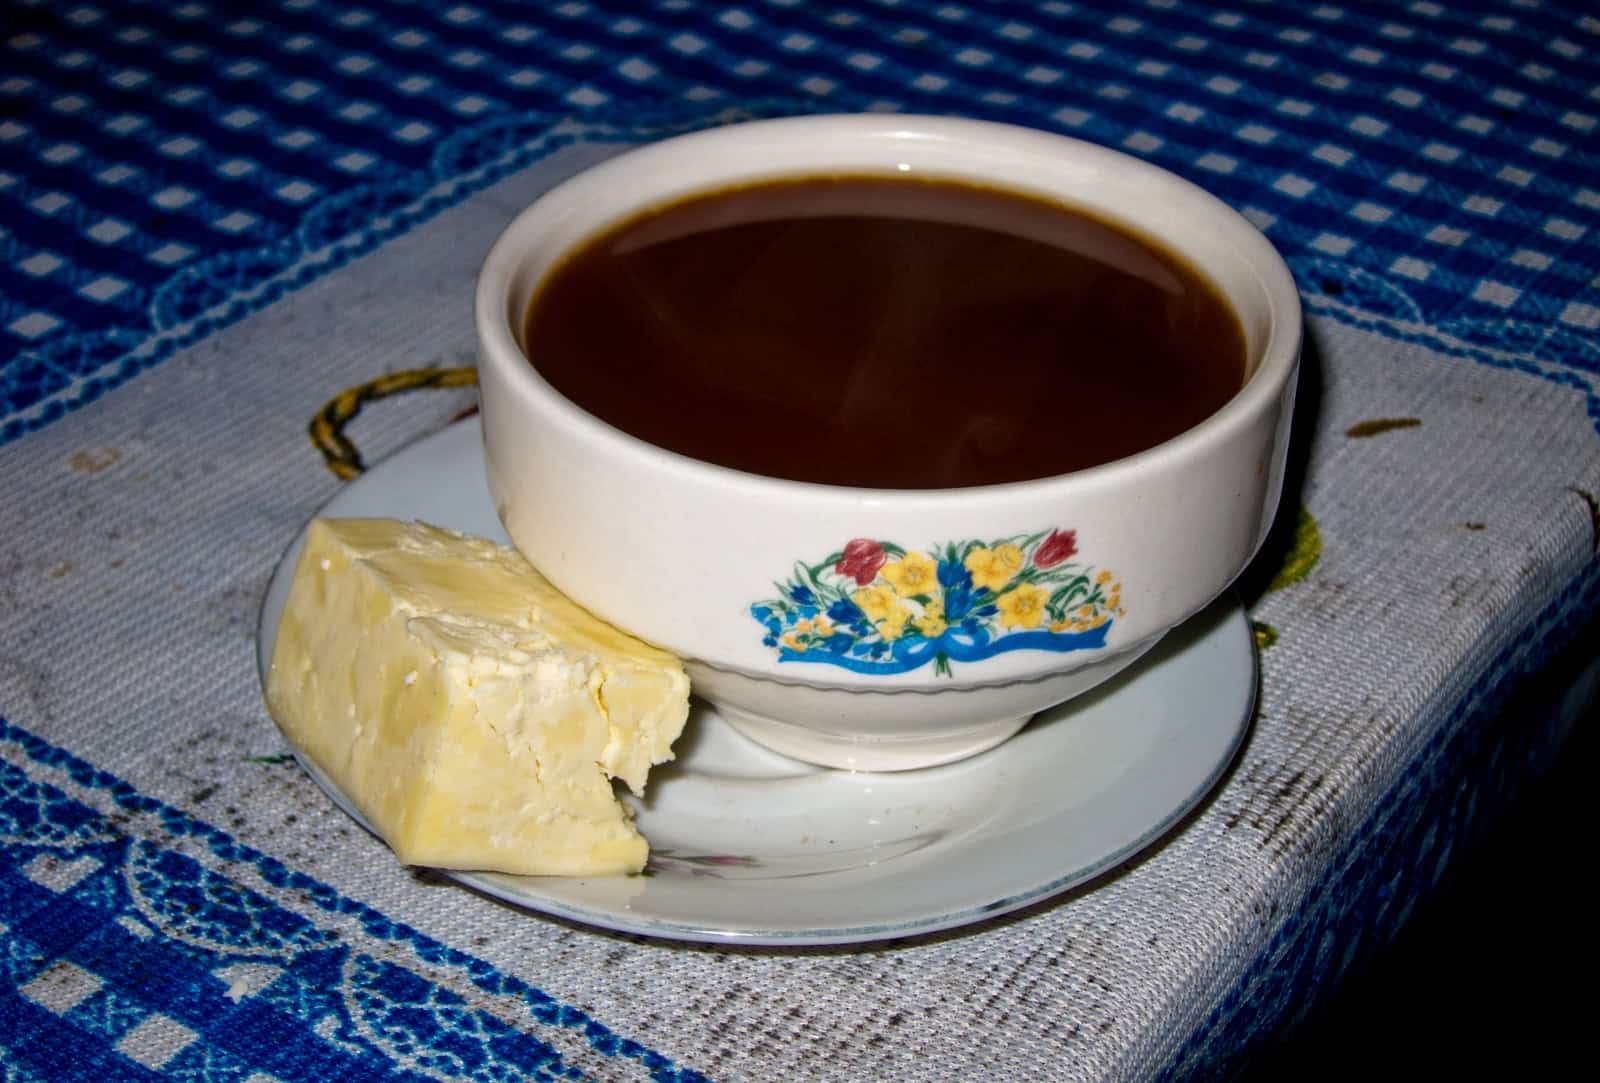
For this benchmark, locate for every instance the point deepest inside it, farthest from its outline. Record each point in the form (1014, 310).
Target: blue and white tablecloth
(216, 218)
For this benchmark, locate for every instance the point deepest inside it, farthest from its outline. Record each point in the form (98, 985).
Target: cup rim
(1279, 352)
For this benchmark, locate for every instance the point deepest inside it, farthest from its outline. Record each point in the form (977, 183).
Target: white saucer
(748, 847)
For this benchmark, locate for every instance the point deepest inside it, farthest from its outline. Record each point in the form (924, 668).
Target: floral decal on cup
(875, 607)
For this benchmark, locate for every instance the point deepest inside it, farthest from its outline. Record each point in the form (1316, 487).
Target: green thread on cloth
(1381, 425)
(1304, 552)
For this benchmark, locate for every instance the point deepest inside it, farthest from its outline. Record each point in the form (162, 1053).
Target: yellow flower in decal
(875, 602)
(993, 568)
(911, 575)
(793, 642)
(932, 622)
(1086, 611)
(883, 609)
(1022, 606)
(1103, 578)
(822, 626)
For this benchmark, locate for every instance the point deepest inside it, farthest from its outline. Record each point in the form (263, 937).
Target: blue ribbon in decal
(965, 643)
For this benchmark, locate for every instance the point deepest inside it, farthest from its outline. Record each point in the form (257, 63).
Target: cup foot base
(863, 754)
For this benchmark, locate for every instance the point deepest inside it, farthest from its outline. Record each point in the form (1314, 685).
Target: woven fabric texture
(213, 222)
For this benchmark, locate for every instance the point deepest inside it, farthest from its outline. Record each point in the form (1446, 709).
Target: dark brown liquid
(885, 332)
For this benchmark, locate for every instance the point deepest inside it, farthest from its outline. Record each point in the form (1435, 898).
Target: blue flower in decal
(957, 603)
(845, 611)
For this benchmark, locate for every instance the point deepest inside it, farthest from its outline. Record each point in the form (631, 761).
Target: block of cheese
(473, 713)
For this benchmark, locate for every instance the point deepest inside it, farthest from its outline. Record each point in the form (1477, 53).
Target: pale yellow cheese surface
(473, 713)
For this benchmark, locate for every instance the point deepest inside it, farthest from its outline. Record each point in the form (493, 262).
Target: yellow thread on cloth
(327, 428)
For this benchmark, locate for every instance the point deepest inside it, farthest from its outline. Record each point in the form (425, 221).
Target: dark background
(1492, 977)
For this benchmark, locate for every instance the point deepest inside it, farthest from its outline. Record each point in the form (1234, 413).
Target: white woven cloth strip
(142, 531)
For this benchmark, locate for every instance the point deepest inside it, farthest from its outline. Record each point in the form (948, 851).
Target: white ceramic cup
(705, 561)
